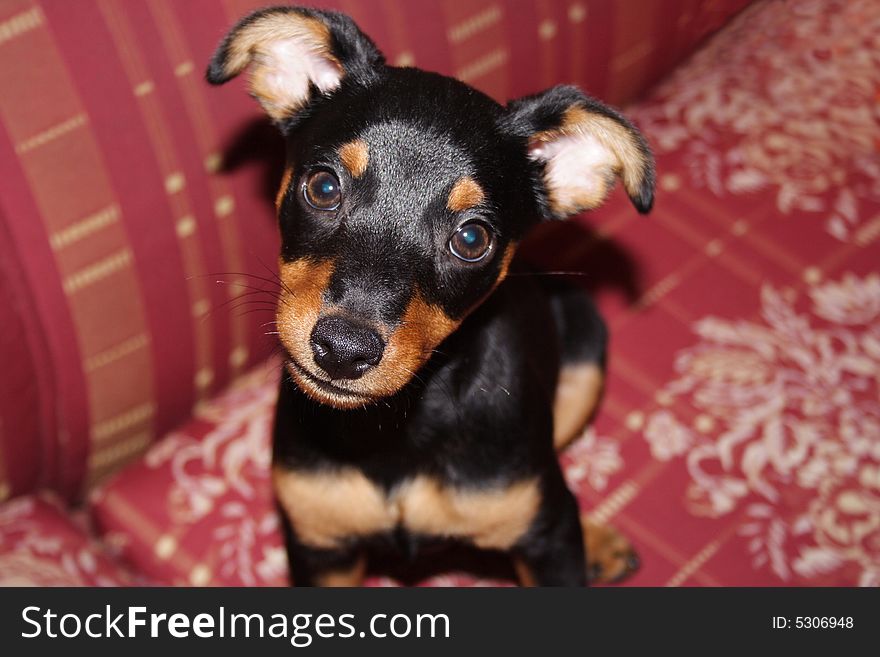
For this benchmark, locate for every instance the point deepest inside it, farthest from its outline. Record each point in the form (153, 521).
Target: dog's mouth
(323, 390)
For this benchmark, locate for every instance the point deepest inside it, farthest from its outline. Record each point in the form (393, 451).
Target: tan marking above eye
(465, 194)
(355, 156)
(327, 507)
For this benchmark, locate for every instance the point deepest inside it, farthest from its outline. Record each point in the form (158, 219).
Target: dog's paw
(610, 556)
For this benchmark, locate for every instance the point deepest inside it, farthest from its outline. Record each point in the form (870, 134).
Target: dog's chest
(326, 508)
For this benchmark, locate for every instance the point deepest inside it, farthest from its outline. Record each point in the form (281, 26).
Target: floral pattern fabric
(41, 546)
(795, 397)
(784, 99)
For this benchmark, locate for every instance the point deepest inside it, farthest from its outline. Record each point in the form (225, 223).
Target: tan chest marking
(490, 518)
(325, 507)
(328, 507)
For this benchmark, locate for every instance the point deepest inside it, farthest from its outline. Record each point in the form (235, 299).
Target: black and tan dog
(425, 394)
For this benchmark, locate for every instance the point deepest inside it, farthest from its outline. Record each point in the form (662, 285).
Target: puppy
(425, 393)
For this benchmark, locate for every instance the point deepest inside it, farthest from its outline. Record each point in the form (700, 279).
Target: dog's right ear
(293, 54)
(581, 147)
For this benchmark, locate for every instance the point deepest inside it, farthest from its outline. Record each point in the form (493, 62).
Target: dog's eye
(321, 191)
(471, 243)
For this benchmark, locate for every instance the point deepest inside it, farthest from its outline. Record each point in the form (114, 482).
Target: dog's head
(406, 192)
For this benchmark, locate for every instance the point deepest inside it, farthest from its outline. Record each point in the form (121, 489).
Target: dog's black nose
(345, 350)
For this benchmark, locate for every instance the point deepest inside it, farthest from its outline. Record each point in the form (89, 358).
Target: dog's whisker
(252, 288)
(231, 305)
(251, 293)
(236, 274)
(549, 273)
(251, 311)
(275, 275)
(243, 303)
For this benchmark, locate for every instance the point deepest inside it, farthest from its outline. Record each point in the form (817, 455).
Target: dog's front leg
(321, 567)
(551, 553)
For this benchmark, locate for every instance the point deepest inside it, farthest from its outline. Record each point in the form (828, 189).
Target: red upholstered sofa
(739, 439)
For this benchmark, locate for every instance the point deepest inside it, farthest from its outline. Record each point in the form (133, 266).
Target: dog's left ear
(294, 53)
(581, 146)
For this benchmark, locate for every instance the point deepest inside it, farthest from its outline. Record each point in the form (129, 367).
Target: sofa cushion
(197, 508)
(42, 545)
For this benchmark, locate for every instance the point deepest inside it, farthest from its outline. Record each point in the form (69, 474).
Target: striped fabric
(135, 207)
